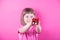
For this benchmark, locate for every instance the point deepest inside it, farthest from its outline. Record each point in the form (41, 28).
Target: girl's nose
(29, 19)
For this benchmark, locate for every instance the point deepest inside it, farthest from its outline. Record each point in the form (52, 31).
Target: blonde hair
(26, 11)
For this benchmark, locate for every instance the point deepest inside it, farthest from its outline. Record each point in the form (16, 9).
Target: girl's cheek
(25, 20)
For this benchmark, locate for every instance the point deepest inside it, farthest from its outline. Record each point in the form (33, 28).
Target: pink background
(10, 11)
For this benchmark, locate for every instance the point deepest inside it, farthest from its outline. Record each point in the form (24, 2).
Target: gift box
(35, 21)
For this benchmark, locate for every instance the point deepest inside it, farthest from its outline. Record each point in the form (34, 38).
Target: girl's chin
(27, 22)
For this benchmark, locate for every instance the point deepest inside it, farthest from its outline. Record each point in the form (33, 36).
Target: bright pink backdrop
(10, 18)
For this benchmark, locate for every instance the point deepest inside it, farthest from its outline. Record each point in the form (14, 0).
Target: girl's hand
(29, 23)
(38, 27)
(25, 28)
(38, 24)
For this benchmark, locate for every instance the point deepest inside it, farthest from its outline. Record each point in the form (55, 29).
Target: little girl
(28, 31)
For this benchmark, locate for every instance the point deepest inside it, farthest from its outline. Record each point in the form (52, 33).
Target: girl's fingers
(39, 21)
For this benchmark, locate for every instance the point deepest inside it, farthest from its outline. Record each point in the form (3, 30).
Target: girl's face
(28, 17)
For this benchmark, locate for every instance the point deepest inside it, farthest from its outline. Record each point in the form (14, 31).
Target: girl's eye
(26, 16)
(31, 16)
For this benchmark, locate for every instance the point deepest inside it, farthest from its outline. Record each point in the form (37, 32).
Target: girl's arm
(38, 28)
(24, 28)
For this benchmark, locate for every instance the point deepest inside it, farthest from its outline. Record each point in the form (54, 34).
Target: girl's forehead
(29, 14)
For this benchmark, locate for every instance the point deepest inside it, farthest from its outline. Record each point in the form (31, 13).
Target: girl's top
(29, 35)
